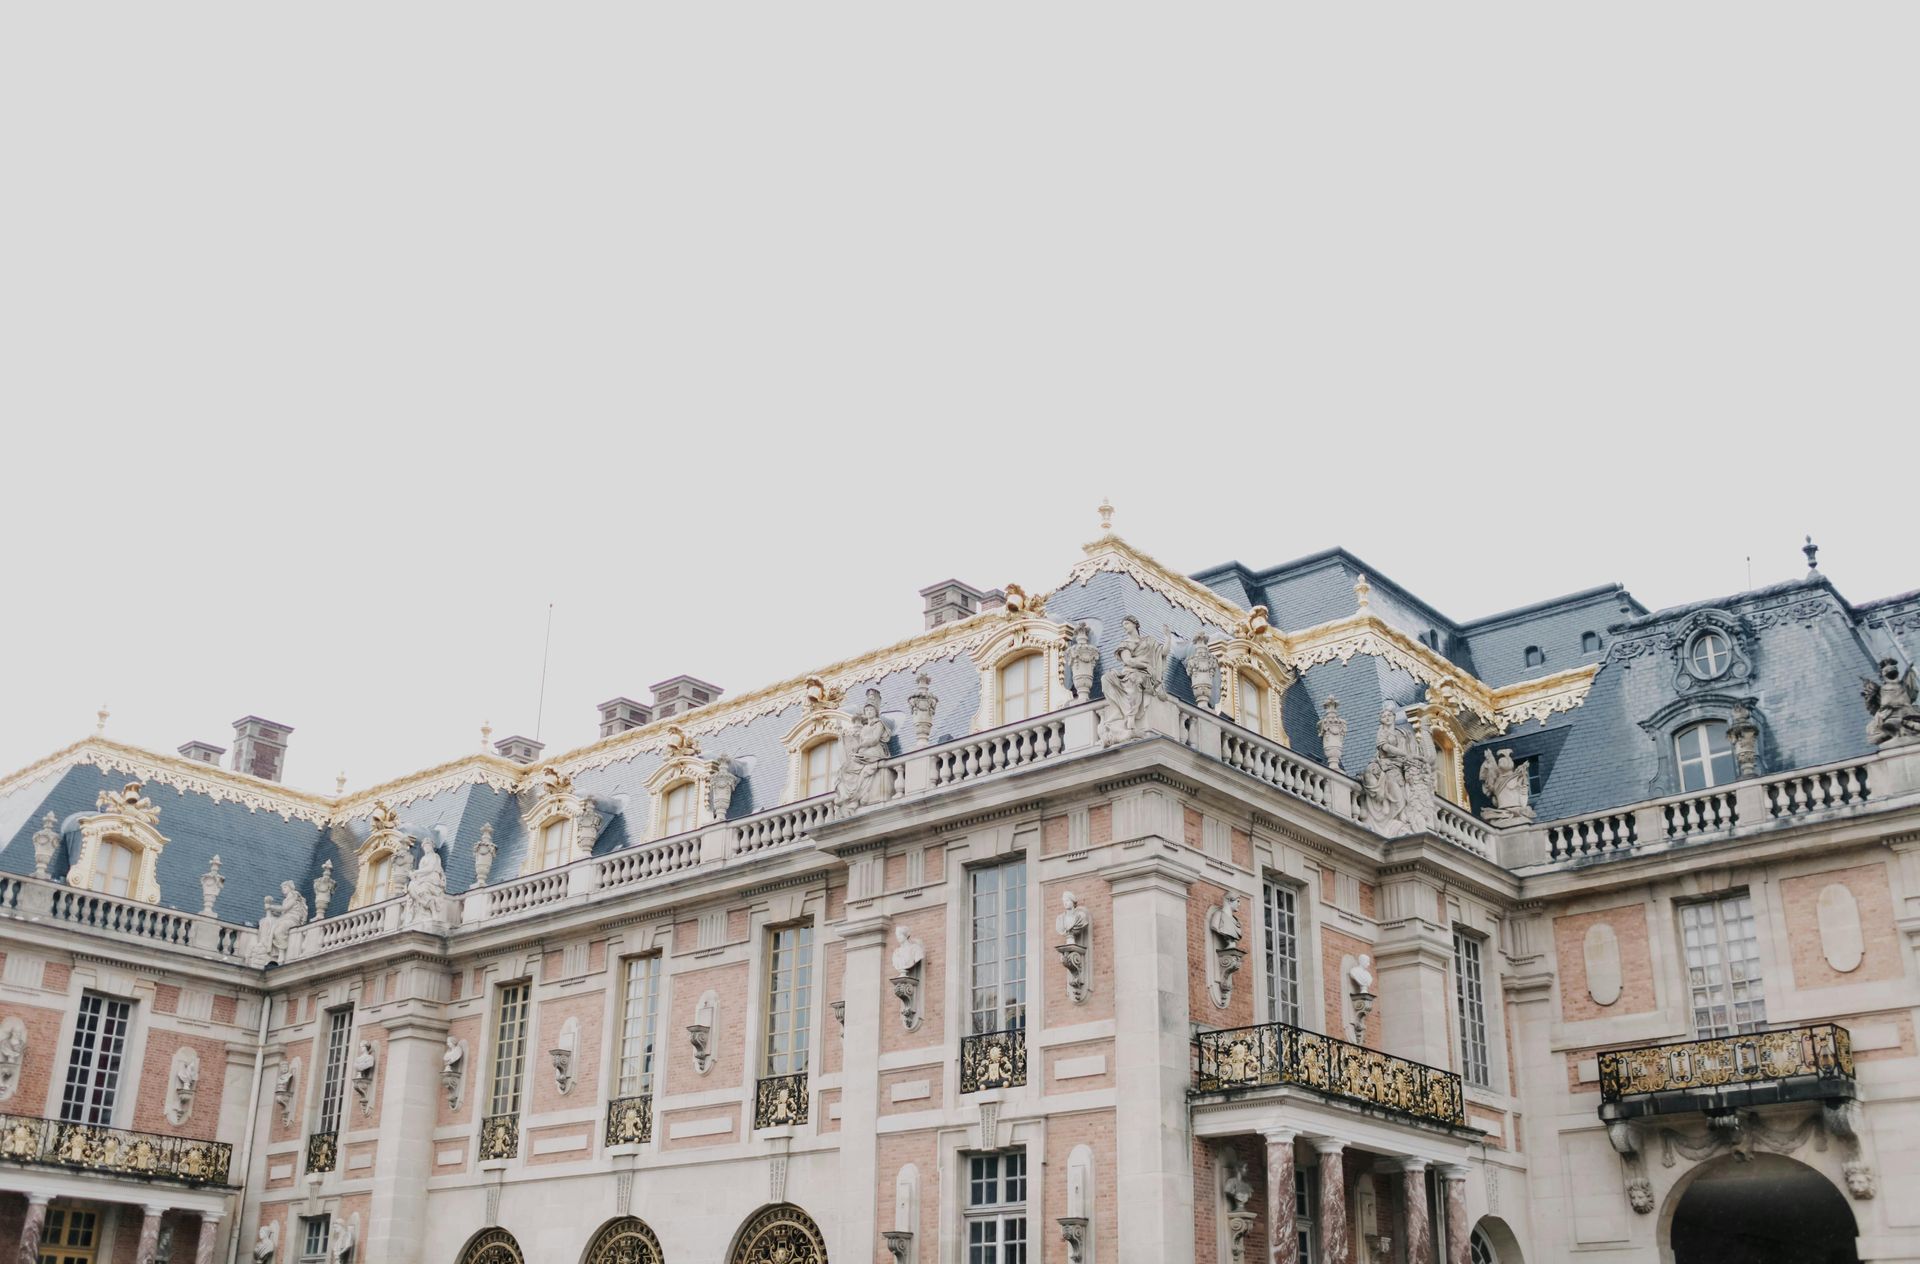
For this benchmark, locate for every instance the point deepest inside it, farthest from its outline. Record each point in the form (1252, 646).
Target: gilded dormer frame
(387, 840)
(682, 766)
(1242, 655)
(558, 802)
(128, 818)
(824, 721)
(1025, 633)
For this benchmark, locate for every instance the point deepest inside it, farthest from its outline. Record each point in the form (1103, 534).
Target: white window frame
(997, 947)
(639, 1020)
(1706, 945)
(788, 1011)
(116, 868)
(512, 1016)
(308, 1224)
(1718, 663)
(1252, 695)
(96, 1059)
(1029, 699)
(377, 875)
(679, 809)
(1280, 939)
(333, 1078)
(1470, 999)
(818, 780)
(1703, 731)
(1003, 1209)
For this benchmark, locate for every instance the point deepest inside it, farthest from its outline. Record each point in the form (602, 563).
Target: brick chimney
(949, 601)
(521, 750)
(260, 747)
(203, 752)
(617, 715)
(680, 694)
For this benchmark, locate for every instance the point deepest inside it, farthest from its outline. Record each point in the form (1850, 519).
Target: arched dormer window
(1252, 701)
(120, 847)
(1019, 668)
(384, 862)
(1253, 686)
(1590, 643)
(561, 825)
(1536, 657)
(813, 745)
(680, 787)
(1703, 756)
(1023, 687)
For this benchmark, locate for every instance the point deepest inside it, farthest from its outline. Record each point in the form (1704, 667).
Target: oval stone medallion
(1602, 951)
(1840, 928)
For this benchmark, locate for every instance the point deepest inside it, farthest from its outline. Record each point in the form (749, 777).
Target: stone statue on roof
(1138, 677)
(864, 777)
(1505, 785)
(1893, 703)
(427, 890)
(1398, 787)
(277, 924)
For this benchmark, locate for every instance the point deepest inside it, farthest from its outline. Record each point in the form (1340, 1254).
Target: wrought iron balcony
(629, 1120)
(994, 1059)
(113, 1151)
(1723, 1072)
(779, 1100)
(1274, 1055)
(323, 1151)
(499, 1137)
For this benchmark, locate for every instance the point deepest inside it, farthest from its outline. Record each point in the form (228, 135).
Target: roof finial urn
(1812, 551)
(1106, 516)
(486, 736)
(1362, 592)
(100, 719)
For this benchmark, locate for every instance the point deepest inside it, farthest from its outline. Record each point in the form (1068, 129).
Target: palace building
(1255, 915)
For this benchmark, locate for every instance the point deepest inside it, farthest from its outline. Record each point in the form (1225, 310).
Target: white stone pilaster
(410, 1084)
(861, 985)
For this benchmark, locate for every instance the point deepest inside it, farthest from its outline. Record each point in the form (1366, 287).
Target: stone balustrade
(115, 917)
(1746, 808)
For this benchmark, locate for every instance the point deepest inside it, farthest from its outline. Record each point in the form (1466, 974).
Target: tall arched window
(677, 809)
(375, 879)
(113, 868)
(1253, 702)
(1023, 688)
(817, 767)
(1704, 756)
(553, 842)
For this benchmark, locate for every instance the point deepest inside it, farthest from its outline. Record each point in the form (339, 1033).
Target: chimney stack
(617, 715)
(521, 750)
(260, 747)
(950, 601)
(203, 752)
(680, 694)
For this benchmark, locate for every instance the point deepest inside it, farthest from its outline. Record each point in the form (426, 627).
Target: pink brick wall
(150, 1107)
(550, 1018)
(895, 1151)
(1096, 896)
(1336, 945)
(1629, 922)
(1093, 1129)
(929, 926)
(44, 1028)
(1880, 938)
(729, 984)
(1202, 897)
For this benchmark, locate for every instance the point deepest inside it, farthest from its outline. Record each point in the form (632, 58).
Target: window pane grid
(637, 1026)
(1470, 994)
(1023, 688)
(789, 998)
(509, 1050)
(1723, 966)
(997, 897)
(93, 1068)
(333, 1082)
(1283, 955)
(1704, 756)
(996, 1216)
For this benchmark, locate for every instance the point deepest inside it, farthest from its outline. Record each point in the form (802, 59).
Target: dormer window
(376, 877)
(553, 843)
(1253, 702)
(113, 868)
(817, 767)
(1536, 657)
(1704, 755)
(1710, 655)
(1023, 688)
(678, 812)
(1589, 642)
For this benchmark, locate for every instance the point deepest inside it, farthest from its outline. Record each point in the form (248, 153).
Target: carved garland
(128, 819)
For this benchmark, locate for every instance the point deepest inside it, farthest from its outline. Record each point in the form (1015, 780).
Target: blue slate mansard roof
(1801, 649)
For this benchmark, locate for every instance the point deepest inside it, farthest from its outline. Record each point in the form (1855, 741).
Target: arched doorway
(627, 1240)
(492, 1246)
(780, 1234)
(1492, 1242)
(1764, 1210)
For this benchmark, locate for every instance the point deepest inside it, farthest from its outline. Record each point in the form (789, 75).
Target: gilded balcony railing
(629, 1120)
(779, 1100)
(113, 1151)
(1823, 1051)
(323, 1151)
(1276, 1054)
(994, 1059)
(499, 1137)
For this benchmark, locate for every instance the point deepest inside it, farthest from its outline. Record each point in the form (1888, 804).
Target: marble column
(31, 1227)
(149, 1245)
(1283, 1242)
(1336, 1244)
(205, 1247)
(1418, 1234)
(1454, 1180)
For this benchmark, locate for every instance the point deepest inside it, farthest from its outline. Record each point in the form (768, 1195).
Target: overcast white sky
(338, 340)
